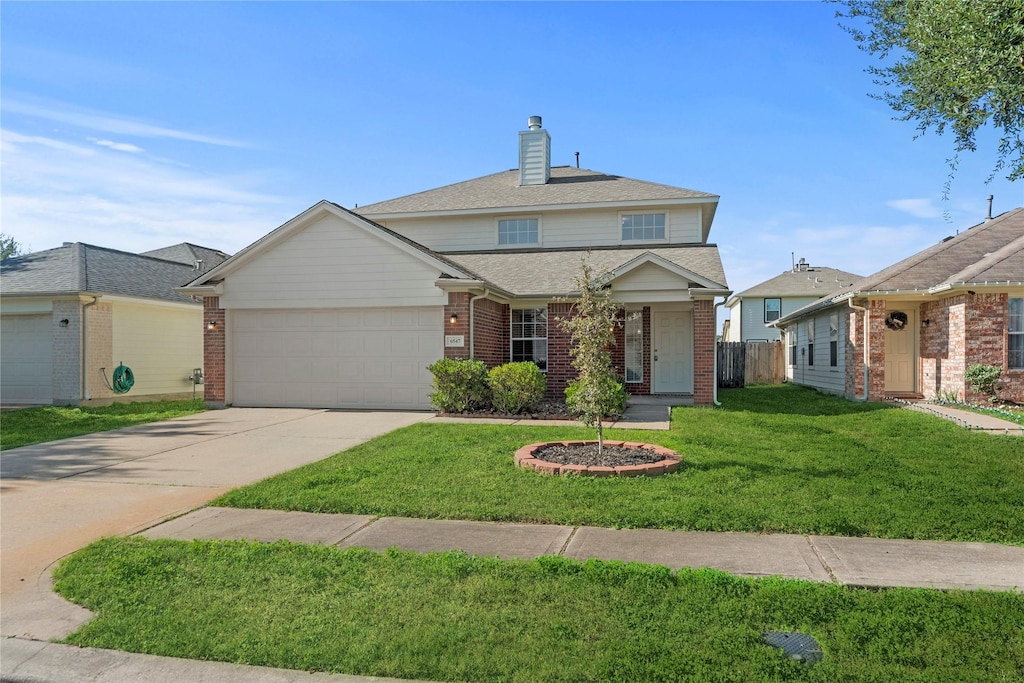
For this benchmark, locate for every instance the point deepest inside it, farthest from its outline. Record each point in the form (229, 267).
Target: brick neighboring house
(71, 315)
(345, 309)
(927, 318)
(752, 311)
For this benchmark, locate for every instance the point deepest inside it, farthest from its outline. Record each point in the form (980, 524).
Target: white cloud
(118, 146)
(918, 208)
(108, 123)
(55, 191)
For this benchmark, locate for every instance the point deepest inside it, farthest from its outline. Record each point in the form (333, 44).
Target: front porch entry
(901, 352)
(673, 352)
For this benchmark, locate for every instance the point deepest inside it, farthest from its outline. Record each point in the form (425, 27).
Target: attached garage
(26, 359)
(374, 358)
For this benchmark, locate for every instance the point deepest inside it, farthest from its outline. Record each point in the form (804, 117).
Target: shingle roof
(82, 267)
(567, 185)
(815, 281)
(190, 254)
(551, 272)
(988, 253)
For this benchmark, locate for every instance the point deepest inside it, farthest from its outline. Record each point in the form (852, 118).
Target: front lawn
(48, 423)
(453, 617)
(772, 459)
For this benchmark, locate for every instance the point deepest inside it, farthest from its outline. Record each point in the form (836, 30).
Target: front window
(634, 346)
(772, 309)
(518, 231)
(833, 340)
(810, 342)
(791, 334)
(643, 226)
(1015, 335)
(530, 336)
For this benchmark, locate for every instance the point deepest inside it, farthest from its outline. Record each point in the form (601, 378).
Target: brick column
(560, 369)
(703, 352)
(458, 305)
(213, 353)
(876, 342)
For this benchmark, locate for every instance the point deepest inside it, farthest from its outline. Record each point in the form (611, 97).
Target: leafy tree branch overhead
(950, 65)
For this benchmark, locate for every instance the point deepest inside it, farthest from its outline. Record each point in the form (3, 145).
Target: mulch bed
(586, 454)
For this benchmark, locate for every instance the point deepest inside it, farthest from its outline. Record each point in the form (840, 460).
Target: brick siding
(491, 331)
(213, 353)
(703, 352)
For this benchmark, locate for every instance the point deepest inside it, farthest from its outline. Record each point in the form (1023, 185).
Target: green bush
(983, 378)
(613, 397)
(459, 385)
(516, 387)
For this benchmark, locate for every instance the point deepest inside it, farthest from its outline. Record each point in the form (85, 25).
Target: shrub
(516, 387)
(983, 378)
(459, 385)
(613, 397)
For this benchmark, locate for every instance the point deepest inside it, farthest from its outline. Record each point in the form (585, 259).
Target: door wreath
(896, 320)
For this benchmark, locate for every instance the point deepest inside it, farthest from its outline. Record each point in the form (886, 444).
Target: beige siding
(160, 344)
(582, 228)
(332, 263)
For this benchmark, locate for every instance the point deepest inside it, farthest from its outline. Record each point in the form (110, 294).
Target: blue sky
(139, 125)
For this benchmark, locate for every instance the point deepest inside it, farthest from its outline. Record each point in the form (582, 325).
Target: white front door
(901, 355)
(673, 352)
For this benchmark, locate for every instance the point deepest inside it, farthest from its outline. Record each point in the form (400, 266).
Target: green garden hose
(124, 379)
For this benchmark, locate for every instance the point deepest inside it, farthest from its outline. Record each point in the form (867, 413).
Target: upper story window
(643, 226)
(772, 309)
(1015, 335)
(518, 231)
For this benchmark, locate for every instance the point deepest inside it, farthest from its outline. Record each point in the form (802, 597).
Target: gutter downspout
(867, 354)
(84, 341)
(472, 321)
(714, 394)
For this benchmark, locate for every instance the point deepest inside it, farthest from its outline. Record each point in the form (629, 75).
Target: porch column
(213, 352)
(703, 352)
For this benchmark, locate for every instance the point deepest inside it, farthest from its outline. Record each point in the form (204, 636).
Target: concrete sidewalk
(866, 562)
(967, 419)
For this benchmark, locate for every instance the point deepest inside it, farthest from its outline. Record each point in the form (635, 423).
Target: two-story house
(752, 311)
(345, 309)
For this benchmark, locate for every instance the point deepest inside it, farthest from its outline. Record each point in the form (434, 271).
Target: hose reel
(123, 379)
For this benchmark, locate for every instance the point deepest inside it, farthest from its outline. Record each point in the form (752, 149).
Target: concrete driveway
(58, 497)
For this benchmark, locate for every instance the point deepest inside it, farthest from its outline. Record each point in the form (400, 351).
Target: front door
(673, 352)
(901, 350)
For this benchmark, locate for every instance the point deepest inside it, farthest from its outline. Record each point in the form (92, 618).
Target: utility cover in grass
(796, 646)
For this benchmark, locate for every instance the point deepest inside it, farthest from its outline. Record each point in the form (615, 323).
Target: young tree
(8, 247)
(592, 330)
(959, 64)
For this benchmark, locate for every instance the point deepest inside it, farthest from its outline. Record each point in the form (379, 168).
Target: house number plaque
(451, 340)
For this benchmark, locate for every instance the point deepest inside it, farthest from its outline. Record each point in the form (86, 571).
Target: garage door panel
(343, 358)
(26, 359)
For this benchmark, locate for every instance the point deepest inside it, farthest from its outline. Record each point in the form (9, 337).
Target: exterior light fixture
(926, 322)
(64, 323)
(212, 325)
(454, 319)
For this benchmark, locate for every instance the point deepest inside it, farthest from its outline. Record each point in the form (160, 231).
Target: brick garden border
(670, 463)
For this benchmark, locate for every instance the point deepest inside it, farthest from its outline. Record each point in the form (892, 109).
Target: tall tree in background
(959, 65)
(8, 247)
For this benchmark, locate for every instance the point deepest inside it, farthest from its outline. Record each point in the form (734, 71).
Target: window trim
(1011, 333)
(655, 240)
(518, 245)
(513, 339)
(766, 300)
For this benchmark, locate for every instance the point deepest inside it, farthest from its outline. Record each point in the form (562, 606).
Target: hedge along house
(912, 329)
(346, 309)
(70, 316)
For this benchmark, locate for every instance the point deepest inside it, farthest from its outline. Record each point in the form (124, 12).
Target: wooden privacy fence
(743, 363)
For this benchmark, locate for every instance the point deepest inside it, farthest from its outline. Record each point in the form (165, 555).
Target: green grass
(49, 423)
(772, 459)
(452, 617)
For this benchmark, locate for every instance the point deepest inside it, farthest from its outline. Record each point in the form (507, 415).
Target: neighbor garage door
(26, 359)
(341, 358)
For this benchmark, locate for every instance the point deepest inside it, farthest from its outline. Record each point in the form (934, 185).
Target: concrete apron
(60, 496)
(866, 562)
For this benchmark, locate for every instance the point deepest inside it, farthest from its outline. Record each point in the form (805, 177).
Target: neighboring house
(69, 316)
(753, 310)
(346, 309)
(912, 329)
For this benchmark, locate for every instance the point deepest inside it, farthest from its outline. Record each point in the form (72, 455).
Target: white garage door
(26, 359)
(337, 358)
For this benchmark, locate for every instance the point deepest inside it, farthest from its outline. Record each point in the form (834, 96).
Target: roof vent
(534, 154)
(801, 265)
